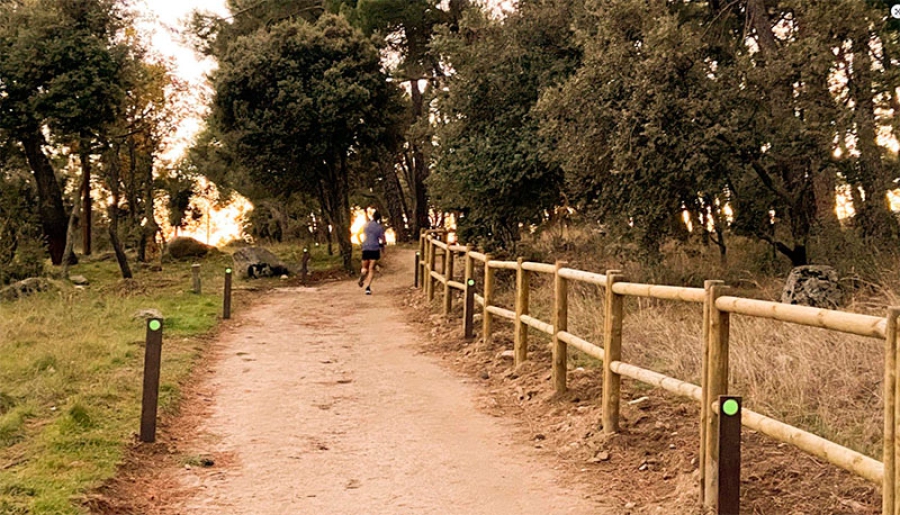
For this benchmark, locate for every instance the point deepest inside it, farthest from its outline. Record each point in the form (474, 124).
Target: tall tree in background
(297, 102)
(492, 166)
(59, 75)
(408, 27)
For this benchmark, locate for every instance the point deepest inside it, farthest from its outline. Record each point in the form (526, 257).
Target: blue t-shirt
(373, 236)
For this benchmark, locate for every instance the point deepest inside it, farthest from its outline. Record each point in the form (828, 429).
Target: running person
(372, 245)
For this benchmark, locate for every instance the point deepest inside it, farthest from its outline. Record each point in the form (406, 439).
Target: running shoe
(362, 279)
(368, 290)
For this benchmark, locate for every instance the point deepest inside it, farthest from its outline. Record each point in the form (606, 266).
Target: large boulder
(183, 247)
(813, 285)
(25, 288)
(255, 262)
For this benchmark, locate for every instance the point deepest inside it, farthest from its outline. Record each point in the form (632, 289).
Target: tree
(297, 102)
(492, 167)
(59, 75)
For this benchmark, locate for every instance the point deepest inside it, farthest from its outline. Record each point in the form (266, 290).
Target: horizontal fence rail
(718, 306)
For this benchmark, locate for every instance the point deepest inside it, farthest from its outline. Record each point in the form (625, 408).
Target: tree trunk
(87, 203)
(51, 210)
(420, 168)
(113, 184)
(72, 233)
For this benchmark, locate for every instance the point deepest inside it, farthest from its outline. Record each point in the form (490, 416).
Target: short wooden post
(469, 310)
(432, 259)
(716, 385)
(226, 308)
(729, 445)
(195, 278)
(448, 276)
(486, 321)
(612, 351)
(705, 403)
(418, 269)
(521, 330)
(889, 490)
(152, 359)
(469, 269)
(560, 323)
(304, 266)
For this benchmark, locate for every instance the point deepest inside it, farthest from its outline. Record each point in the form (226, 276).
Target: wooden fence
(718, 307)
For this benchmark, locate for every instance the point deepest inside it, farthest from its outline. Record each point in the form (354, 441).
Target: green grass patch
(71, 375)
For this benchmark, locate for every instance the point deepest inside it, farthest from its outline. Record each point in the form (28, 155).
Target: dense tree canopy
(297, 102)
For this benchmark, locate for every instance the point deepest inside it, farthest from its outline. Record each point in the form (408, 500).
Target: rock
(147, 314)
(254, 262)
(184, 247)
(813, 285)
(638, 401)
(508, 354)
(25, 288)
(79, 280)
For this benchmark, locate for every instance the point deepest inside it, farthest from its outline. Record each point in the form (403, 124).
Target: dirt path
(323, 404)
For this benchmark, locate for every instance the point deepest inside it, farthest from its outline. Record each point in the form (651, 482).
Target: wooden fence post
(612, 351)
(889, 490)
(560, 323)
(226, 306)
(486, 322)
(704, 381)
(418, 269)
(195, 278)
(432, 258)
(469, 310)
(448, 276)
(521, 330)
(150, 399)
(716, 385)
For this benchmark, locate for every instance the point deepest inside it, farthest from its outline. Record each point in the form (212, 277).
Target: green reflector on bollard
(471, 282)
(417, 252)
(155, 325)
(730, 407)
(305, 251)
(227, 270)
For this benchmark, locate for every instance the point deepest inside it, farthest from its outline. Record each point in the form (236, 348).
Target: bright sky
(162, 22)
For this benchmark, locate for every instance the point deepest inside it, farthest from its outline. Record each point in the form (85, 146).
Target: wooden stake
(486, 322)
(469, 310)
(226, 308)
(612, 349)
(195, 278)
(729, 445)
(521, 330)
(417, 270)
(704, 380)
(469, 270)
(448, 276)
(560, 323)
(717, 384)
(152, 360)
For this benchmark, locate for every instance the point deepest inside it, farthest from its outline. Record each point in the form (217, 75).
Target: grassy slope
(71, 372)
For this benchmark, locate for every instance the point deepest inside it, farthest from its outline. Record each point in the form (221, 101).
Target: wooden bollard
(195, 278)
(560, 323)
(226, 309)
(152, 359)
(486, 322)
(520, 332)
(612, 351)
(469, 310)
(304, 266)
(418, 269)
(716, 384)
(729, 444)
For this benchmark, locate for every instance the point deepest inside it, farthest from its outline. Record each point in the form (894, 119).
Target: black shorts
(371, 255)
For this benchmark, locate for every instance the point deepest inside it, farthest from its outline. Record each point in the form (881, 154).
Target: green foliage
(492, 167)
(297, 102)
